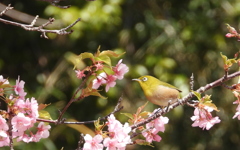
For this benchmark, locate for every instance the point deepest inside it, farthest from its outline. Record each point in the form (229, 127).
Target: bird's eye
(144, 79)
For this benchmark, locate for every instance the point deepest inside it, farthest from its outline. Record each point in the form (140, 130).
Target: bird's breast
(162, 95)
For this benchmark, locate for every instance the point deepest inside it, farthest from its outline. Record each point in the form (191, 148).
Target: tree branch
(116, 109)
(31, 27)
(186, 98)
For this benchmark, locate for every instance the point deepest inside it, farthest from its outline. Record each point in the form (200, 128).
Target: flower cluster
(108, 79)
(118, 137)
(103, 78)
(203, 118)
(153, 127)
(22, 114)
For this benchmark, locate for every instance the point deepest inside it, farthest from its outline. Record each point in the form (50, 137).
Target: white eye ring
(144, 79)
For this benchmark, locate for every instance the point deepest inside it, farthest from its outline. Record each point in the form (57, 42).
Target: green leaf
(144, 114)
(228, 62)
(110, 53)
(206, 99)
(213, 106)
(85, 55)
(105, 59)
(89, 91)
(224, 58)
(198, 95)
(43, 114)
(96, 93)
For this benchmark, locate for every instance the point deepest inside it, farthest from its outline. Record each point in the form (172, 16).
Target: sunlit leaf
(110, 53)
(228, 62)
(105, 59)
(96, 93)
(74, 59)
(44, 115)
(98, 126)
(85, 55)
(89, 91)
(224, 58)
(144, 114)
(211, 105)
(206, 101)
(198, 95)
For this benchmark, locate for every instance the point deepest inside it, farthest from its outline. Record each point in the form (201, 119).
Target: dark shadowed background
(167, 39)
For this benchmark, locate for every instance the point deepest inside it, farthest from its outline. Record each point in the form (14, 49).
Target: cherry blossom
(203, 118)
(2, 80)
(110, 82)
(120, 70)
(42, 131)
(80, 74)
(20, 123)
(237, 114)
(31, 108)
(24, 115)
(19, 88)
(237, 102)
(103, 78)
(154, 127)
(158, 123)
(100, 79)
(3, 124)
(229, 35)
(119, 134)
(93, 143)
(4, 138)
(25, 138)
(110, 143)
(152, 135)
(99, 65)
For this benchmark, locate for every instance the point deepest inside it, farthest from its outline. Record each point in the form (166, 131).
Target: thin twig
(34, 21)
(73, 98)
(6, 9)
(10, 127)
(192, 82)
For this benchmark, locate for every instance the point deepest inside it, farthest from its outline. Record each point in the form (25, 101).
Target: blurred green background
(167, 39)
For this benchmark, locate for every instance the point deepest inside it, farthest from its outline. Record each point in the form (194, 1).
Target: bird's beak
(136, 79)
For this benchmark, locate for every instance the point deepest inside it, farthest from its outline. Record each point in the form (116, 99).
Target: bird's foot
(156, 111)
(169, 106)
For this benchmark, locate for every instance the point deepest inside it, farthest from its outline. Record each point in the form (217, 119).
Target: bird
(158, 92)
